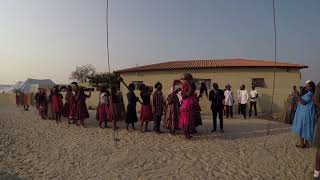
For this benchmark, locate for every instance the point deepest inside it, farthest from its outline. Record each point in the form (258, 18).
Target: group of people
(52, 107)
(180, 110)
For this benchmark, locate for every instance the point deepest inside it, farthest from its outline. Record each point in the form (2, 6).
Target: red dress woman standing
(103, 106)
(146, 110)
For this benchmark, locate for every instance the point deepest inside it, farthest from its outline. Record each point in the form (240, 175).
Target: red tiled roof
(221, 63)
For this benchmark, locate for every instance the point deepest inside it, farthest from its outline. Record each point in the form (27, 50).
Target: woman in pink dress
(103, 107)
(188, 104)
(67, 104)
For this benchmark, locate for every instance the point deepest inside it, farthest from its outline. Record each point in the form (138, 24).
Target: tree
(82, 73)
(100, 79)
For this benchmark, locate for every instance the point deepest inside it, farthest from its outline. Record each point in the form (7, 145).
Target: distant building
(230, 71)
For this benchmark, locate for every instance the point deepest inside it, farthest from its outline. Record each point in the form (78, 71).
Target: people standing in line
(228, 101)
(216, 96)
(243, 100)
(188, 103)
(304, 119)
(171, 121)
(253, 101)
(316, 142)
(158, 106)
(115, 107)
(131, 116)
(146, 110)
(103, 107)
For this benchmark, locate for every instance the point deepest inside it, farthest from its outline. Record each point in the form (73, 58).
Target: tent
(31, 85)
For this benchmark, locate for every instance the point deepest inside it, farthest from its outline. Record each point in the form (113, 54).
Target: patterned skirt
(146, 113)
(171, 118)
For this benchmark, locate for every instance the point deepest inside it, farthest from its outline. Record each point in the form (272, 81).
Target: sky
(49, 38)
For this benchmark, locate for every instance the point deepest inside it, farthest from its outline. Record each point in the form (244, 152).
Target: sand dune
(31, 148)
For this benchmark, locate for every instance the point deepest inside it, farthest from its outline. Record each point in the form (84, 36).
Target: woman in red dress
(82, 110)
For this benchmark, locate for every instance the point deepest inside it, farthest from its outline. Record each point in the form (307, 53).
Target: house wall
(285, 79)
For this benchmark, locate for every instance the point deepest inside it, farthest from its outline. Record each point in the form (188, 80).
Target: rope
(268, 132)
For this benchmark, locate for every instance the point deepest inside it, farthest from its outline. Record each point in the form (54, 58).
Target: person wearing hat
(158, 106)
(228, 101)
(253, 100)
(216, 96)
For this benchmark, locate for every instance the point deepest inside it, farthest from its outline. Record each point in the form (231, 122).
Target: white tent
(31, 85)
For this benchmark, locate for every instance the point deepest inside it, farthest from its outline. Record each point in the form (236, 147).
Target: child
(103, 107)
(146, 109)
(158, 106)
(131, 116)
(114, 108)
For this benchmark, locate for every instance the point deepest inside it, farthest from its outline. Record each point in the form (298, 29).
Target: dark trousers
(229, 111)
(157, 121)
(254, 105)
(243, 110)
(215, 113)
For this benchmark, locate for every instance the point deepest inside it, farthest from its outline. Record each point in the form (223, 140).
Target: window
(137, 84)
(258, 82)
(206, 81)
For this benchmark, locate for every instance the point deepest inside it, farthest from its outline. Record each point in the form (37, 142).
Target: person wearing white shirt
(253, 100)
(228, 101)
(243, 100)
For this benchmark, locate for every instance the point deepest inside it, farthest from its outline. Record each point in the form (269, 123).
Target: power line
(107, 26)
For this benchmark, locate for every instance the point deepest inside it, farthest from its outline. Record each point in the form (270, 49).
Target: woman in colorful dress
(82, 110)
(115, 107)
(188, 104)
(67, 104)
(172, 109)
(146, 109)
(304, 119)
(197, 109)
(103, 107)
(131, 116)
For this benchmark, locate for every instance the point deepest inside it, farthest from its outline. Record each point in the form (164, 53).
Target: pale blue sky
(48, 38)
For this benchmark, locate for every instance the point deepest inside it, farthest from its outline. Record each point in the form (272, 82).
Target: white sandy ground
(31, 148)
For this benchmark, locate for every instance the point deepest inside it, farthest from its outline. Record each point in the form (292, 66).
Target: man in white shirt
(228, 101)
(243, 100)
(253, 100)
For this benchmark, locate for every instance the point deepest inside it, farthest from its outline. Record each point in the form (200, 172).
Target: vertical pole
(107, 26)
(275, 56)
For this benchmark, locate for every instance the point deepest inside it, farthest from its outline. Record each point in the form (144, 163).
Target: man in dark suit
(216, 96)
